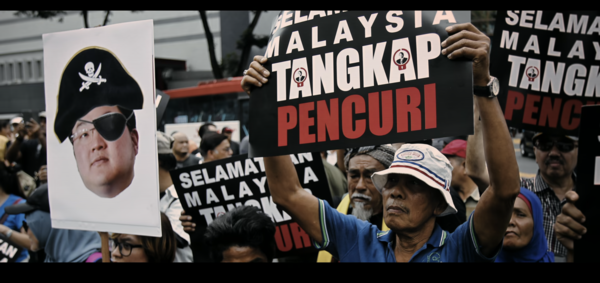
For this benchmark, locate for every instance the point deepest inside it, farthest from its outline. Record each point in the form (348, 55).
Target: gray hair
(382, 153)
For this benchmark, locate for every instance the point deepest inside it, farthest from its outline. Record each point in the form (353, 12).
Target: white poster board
(191, 129)
(93, 183)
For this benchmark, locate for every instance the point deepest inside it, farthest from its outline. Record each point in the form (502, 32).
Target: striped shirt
(551, 206)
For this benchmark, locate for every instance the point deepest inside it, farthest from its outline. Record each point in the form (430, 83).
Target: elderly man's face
(363, 193)
(408, 203)
(181, 144)
(106, 168)
(554, 163)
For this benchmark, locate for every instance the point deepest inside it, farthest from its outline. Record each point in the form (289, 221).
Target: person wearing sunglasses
(556, 157)
(133, 248)
(99, 121)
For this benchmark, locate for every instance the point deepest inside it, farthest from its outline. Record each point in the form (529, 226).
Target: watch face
(495, 86)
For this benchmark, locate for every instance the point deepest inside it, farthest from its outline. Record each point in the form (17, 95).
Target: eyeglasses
(110, 126)
(563, 146)
(124, 248)
(25, 226)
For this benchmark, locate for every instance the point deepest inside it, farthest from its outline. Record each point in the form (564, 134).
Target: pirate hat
(93, 77)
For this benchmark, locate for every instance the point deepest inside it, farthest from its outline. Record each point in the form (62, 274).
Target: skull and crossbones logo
(92, 77)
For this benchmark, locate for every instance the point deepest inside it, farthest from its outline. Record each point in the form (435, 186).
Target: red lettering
(328, 120)
(566, 115)
(430, 107)
(306, 122)
(514, 100)
(530, 109)
(299, 236)
(284, 244)
(404, 106)
(387, 113)
(550, 112)
(286, 120)
(347, 118)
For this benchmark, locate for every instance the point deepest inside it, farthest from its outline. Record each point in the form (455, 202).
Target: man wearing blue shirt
(415, 188)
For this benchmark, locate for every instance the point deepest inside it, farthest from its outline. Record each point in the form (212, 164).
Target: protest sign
(547, 65)
(209, 190)
(191, 129)
(354, 78)
(9, 251)
(588, 183)
(101, 117)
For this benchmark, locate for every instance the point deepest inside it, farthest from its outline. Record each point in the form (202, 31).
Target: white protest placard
(101, 133)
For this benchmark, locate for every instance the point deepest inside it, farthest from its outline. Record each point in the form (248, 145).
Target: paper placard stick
(105, 251)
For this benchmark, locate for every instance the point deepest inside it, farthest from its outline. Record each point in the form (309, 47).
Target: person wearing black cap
(215, 147)
(96, 100)
(59, 245)
(556, 156)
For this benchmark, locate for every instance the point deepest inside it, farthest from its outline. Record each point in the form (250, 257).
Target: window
(19, 73)
(10, 72)
(40, 68)
(29, 72)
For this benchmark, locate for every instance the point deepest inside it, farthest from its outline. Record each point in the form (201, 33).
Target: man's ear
(441, 207)
(441, 203)
(135, 138)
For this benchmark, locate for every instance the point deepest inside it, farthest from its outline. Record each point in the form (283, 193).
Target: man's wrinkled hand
(466, 41)
(256, 75)
(569, 223)
(186, 222)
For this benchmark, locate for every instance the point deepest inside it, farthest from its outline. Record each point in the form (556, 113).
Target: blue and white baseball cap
(425, 163)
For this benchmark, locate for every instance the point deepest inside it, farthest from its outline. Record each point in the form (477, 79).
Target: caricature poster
(101, 133)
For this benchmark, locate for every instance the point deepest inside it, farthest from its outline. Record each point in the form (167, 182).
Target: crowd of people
(463, 201)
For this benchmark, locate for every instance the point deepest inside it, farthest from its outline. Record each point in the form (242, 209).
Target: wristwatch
(9, 233)
(491, 90)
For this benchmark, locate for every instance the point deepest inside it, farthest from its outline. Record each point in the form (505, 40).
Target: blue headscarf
(537, 249)
(62, 245)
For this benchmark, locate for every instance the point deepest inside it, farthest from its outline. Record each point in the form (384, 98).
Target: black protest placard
(588, 183)
(9, 251)
(209, 190)
(342, 79)
(547, 65)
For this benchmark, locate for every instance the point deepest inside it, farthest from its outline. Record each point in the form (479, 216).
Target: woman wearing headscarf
(525, 240)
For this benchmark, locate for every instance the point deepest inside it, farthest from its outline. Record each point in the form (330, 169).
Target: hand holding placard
(468, 42)
(256, 75)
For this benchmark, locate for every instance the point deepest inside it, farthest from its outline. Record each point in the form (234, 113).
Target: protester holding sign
(60, 245)
(412, 197)
(10, 225)
(244, 234)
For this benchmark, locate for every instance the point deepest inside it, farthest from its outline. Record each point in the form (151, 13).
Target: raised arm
(475, 161)
(288, 193)
(281, 173)
(494, 209)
